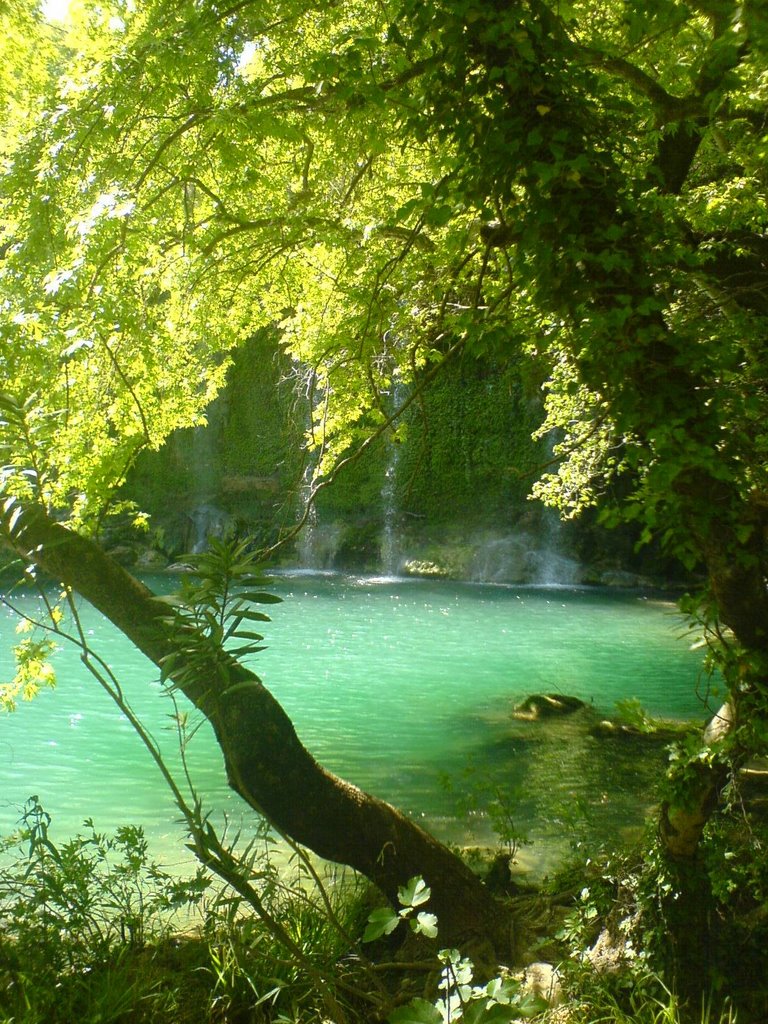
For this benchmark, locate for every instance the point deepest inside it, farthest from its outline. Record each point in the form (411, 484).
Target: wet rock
(151, 560)
(547, 705)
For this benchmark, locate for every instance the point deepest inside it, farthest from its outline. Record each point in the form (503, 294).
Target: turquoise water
(403, 687)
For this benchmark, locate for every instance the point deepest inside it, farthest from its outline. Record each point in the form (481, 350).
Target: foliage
(71, 910)
(91, 933)
(249, 967)
(480, 793)
(385, 921)
(213, 613)
(499, 1000)
(578, 186)
(33, 670)
(393, 187)
(470, 436)
(69, 903)
(251, 454)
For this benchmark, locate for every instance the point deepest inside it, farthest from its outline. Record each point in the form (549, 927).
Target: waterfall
(317, 542)
(390, 554)
(553, 567)
(306, 547)
(390, 541)
(207, 521)
(199, 450)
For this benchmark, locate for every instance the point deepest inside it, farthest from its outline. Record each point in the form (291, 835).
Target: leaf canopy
(579, 187)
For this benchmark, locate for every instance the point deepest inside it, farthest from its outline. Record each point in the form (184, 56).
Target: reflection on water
(396, 685)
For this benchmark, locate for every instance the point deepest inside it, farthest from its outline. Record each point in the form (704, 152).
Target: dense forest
(381, 218)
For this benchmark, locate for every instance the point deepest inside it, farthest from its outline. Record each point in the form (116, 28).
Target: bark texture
(267, 764)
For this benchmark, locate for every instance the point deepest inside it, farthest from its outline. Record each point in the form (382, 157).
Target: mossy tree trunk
(266, 763)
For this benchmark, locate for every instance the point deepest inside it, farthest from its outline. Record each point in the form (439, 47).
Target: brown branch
(668, 108)
(191, 121)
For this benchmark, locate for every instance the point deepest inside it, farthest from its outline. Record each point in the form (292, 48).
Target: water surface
(404, 687)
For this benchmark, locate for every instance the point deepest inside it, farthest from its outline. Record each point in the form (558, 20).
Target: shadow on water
(551, 785)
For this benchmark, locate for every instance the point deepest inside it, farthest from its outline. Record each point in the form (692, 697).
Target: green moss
(464, 464)
(470, 455)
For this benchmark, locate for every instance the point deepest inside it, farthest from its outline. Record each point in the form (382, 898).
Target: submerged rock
(659, 731)
(547, 705)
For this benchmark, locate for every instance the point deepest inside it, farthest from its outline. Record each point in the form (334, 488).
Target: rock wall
(450, 499)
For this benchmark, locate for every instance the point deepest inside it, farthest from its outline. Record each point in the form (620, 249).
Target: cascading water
(317, 542)
(390, 546)
(306, 547)
(552, 566)
(390, 552)
(205, 519)
(533, 552)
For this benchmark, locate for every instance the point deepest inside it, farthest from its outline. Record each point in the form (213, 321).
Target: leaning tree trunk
(266, 762)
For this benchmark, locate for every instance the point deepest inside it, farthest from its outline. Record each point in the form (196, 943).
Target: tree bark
(266, 763)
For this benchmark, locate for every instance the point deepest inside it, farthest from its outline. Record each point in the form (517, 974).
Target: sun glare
(55, 10)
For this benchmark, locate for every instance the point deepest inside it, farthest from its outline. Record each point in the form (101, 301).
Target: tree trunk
(266, 763)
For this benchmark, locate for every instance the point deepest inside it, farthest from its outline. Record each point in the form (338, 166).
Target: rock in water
(547, 705)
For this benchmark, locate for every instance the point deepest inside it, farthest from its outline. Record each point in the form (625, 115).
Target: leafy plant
(411, 896)
(632, 713)
(72, 912)
(497, 1002)
(213, 613)
(71, 902)
(481, 794)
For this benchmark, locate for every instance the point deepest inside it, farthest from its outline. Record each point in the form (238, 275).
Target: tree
(577, 185)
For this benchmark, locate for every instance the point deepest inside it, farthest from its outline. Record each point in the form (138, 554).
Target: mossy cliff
(447, 496)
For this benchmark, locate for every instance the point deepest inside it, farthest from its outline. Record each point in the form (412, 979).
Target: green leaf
(258, 597)
(530, 1006)
(380, 922)
(246, 650)
(414, 893)
(406, 210)
(425, 924)
(479, 1013)
(438, 216)
(253, 616)
(246, 634)
(418, 1011)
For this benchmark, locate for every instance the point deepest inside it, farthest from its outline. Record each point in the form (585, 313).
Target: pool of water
(404, 687)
